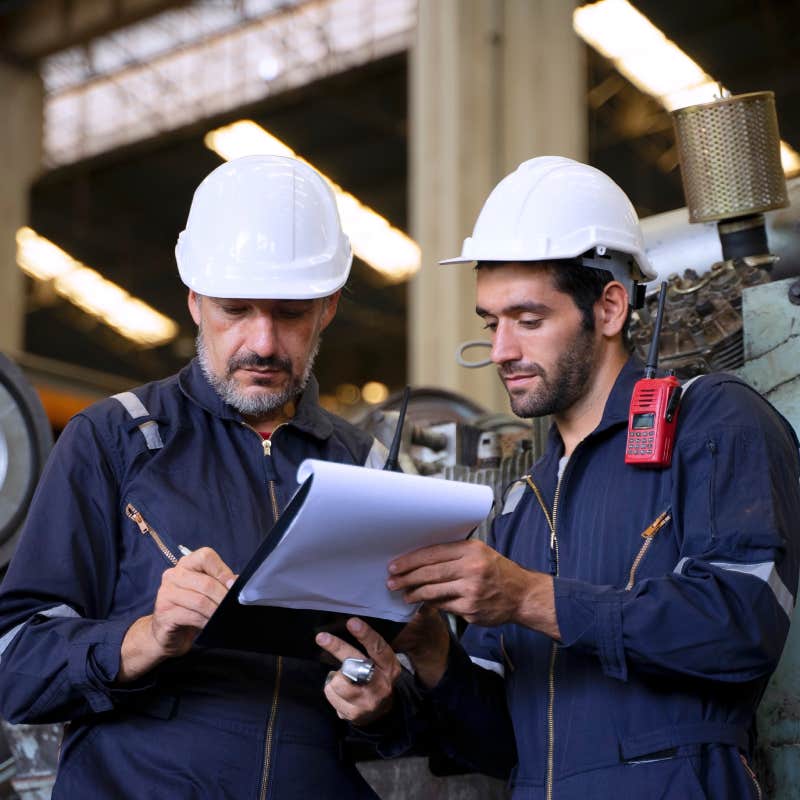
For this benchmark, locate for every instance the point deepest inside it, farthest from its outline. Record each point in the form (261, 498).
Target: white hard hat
(264, 227)
(554, 208)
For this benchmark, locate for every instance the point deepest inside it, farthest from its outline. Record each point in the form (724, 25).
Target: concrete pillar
(492, 83)
(20, 162)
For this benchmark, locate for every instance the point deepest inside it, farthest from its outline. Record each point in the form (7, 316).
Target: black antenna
(394, 451)
(652, 356)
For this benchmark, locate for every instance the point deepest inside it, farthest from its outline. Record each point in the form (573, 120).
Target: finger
(375, 645)
(352, 712)
(442, 572)
(341, 706)
(208, 561)
(426, 556)
(337, 647)
(177, 597)
(347, 690)
(435, 593)
(198, 582)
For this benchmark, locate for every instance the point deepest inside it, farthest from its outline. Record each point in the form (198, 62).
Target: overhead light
(790, 160)
(374, 392)
(651, 61)
(348, 394)
(91, 292)
(375, 241)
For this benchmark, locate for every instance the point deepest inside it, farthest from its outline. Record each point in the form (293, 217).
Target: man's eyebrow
(517, 308)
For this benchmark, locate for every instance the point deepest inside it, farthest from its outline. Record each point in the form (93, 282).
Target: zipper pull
(656, 525)
(134, 514)
(269, 466)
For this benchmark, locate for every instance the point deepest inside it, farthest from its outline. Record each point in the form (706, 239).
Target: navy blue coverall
(110, 512)
(667, 639)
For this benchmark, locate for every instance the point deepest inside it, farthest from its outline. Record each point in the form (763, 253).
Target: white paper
(353, 522)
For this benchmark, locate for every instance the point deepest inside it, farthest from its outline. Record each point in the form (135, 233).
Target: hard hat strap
(621, 265)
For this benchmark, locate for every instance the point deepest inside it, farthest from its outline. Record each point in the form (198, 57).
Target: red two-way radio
(653, 415)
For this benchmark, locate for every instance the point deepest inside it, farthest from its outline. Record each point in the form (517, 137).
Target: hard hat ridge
(264, 227)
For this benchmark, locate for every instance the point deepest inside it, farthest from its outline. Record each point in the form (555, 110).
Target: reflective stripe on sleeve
(764, 571)
(492, 666)
(513, 496)
(134, 406)
(56, 611)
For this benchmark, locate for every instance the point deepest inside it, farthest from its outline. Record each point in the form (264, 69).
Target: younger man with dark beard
(624, 621)
(154, 499)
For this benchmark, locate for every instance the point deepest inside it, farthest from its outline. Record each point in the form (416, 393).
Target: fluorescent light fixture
(385, 248)
(650, 61)
(91, 292)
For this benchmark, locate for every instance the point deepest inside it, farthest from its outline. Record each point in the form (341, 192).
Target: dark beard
(562, 387)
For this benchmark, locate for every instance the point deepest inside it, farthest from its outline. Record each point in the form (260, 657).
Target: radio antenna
(652, 356)
(392, 464)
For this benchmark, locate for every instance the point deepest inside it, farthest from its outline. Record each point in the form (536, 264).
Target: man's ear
(193, 302)
(611, 310)
(329, 310)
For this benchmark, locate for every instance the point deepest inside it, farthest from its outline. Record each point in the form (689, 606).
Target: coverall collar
(309, 417)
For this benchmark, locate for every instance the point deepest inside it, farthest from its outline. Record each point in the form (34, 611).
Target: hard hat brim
(458, 260)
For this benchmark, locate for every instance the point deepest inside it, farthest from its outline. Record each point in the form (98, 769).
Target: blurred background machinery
(28, 753)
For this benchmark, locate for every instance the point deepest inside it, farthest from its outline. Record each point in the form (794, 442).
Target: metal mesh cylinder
(730, 157)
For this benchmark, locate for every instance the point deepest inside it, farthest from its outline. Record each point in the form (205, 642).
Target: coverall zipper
(134, 514)
(552, 521)
(266, 446)
(648, 534)
(752, 776)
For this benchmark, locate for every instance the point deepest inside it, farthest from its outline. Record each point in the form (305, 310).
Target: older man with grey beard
(154, 499)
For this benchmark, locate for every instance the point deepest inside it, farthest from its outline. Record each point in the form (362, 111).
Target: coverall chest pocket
(147, 548)
(169, 551)
(658, 529)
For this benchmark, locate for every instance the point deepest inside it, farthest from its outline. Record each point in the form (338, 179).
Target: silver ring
(358, 670)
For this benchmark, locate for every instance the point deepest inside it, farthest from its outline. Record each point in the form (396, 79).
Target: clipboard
(274, 630)
(325, 558)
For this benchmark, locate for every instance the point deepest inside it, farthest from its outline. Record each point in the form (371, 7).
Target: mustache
(253, 360)
(511, 368)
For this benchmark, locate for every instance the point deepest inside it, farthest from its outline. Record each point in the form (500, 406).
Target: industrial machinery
(25, 440)
(28, 753)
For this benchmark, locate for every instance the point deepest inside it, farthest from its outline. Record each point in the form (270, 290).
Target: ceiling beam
(37, 28)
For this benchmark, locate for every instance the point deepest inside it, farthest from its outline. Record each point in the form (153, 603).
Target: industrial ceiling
(121, 211)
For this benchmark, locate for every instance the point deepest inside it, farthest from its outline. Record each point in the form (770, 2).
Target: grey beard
(257, 405)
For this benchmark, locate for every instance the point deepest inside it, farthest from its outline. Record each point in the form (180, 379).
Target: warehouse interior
(119, 209)
(416, 108)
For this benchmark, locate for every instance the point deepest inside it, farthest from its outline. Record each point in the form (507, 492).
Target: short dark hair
(583, 284)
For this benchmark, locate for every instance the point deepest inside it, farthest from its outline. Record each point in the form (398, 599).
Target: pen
(185, 551)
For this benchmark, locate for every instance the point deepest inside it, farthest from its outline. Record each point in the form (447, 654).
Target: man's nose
(505, 346)
(262, 335)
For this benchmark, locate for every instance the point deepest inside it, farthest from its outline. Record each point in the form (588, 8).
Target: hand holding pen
(189, 594)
